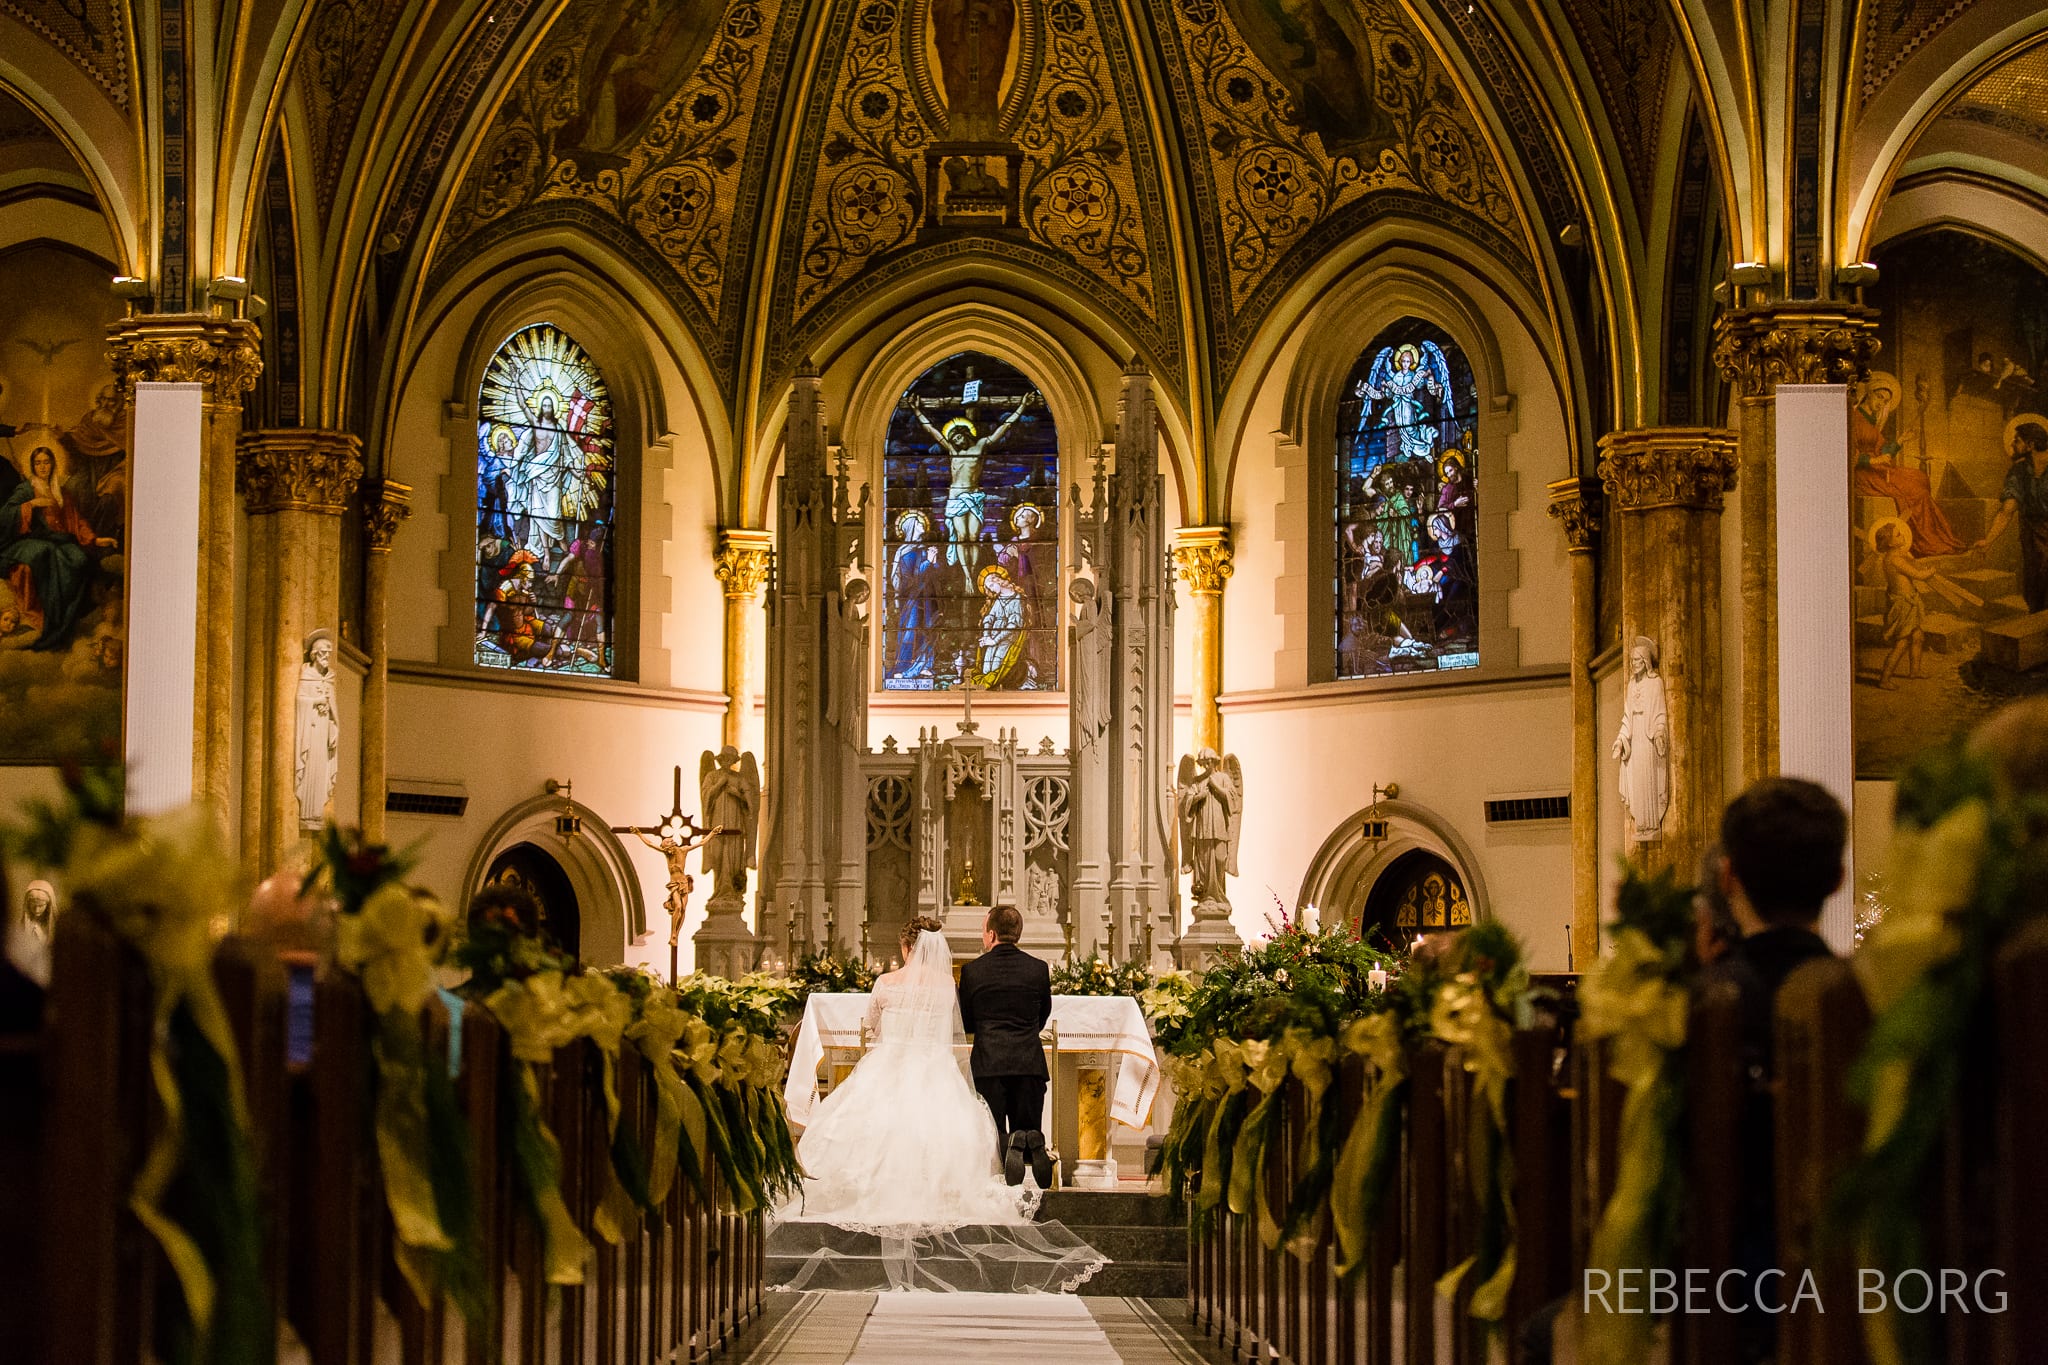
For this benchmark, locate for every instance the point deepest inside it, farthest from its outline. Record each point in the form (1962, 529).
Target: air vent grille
(1513, 810)
(446, 800)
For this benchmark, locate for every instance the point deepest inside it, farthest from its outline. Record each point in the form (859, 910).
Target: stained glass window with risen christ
(544, 502)
(1407, 581)
(970, 538)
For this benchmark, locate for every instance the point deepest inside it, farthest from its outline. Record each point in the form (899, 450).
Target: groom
(1005, 999)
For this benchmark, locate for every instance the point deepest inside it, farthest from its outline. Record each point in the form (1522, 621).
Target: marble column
(1666, 485)
(386, 503)
(223, 356)
(297, 482)
(1757, 349)
(1577, 505)
(742, 567)
(1202, 556)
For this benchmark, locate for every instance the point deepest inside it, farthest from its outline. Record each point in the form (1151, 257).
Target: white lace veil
(918, 1003)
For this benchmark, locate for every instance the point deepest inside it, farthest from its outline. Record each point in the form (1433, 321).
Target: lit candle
(1378, 978)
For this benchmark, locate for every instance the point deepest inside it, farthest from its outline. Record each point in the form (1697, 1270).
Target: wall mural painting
(544, 504)
(1407, 584)
(63, 510)
(971, 532)
(1949, 494)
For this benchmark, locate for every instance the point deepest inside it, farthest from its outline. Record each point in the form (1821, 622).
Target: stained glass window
(1407, 581)
(544, 505)
(971, 532)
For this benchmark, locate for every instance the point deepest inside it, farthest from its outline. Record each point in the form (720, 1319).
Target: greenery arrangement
(162, 887)
(1967, 861)
(833, 973)
(1098, 975)
(1637, 999)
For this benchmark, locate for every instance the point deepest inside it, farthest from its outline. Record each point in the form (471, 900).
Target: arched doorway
(1419, 893)
(533, 869)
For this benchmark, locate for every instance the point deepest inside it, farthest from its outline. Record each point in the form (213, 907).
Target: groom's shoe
(1041, 1159)
(1013, 1160)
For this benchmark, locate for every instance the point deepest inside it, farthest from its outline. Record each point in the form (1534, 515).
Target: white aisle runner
(988, 1329)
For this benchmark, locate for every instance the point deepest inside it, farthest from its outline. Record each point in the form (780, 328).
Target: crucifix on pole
(673, 836)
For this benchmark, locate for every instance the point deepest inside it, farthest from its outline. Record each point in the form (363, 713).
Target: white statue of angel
(1395, 390)
(1209, 799)
(729, 789)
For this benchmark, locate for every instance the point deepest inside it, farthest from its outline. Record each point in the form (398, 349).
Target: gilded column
(1202, 556)
(386, 503)
(299, 481)
(1757, 349)
(1577, 505)
(742, 567)
(1666, 484)
(223, 356)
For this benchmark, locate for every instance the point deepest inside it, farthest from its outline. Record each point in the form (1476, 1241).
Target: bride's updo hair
(915, 925)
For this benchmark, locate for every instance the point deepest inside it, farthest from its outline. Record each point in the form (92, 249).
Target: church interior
(1372, 529)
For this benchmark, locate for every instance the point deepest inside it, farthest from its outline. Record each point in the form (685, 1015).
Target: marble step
(1141, 1243)
(1138, 1280)
(1111, 1208)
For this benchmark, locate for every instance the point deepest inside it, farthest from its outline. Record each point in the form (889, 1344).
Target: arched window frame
(601, 326)
(1331, 337)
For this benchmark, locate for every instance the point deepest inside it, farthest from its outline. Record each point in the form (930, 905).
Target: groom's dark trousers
(1005, 999)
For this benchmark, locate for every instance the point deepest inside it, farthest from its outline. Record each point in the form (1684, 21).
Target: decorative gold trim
(1203, 558)
(223, 354)
(1655, 467)
(1758, 349)
(1577, 505)
(743, 560)
(386, 503)
(298, 469)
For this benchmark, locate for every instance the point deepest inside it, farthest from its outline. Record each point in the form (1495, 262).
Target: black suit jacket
(1005, 999)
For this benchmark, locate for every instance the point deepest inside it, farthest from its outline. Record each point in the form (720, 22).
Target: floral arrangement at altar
(831, 972)
(1099, 975)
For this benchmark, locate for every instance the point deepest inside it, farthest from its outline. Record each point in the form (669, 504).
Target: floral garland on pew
(1397, 1017)
(1476, 1008)
(735, 1064)
(1967, 860)
(1231, 1039)
(391, 938)
(160, 886)
(1638, 997)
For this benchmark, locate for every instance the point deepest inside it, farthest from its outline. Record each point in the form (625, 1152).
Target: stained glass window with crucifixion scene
(970, 535)
(545, 488)
(1407, 580)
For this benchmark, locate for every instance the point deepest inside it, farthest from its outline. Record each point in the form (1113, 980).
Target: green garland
(1966, 858)
(1098, 975)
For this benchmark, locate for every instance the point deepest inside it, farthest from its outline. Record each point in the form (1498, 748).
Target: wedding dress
(902, 1154)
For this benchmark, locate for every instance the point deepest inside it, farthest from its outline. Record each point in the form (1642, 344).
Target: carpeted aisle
(989, 1329)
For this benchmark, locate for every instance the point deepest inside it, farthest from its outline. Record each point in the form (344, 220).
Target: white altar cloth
(1086, 1023)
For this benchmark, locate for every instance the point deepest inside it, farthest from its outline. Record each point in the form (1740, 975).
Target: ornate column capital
(223, 354)
(1577, 504)
(386, 503)
(298, 469)
(1203, 558)
(1758, 349)
(1668, 467)
(744, 557)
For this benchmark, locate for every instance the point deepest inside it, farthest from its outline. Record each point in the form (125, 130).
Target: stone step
(1111, 1208)
(1122, 1244)
(1138, 1280)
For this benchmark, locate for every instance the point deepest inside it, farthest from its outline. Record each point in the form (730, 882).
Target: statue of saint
(318, 730)
(729, 788)
(1644, 744)
(1209, 797)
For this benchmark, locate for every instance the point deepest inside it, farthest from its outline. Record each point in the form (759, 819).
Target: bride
(904, 1151)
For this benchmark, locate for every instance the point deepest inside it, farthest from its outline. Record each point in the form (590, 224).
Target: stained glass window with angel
(1407, 571)
(970, 535)
(545, 490)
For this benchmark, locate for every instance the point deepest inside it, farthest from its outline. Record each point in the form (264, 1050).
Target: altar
(1105, 1071)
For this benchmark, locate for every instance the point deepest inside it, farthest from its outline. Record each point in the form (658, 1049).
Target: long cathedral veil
(902, 1188)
